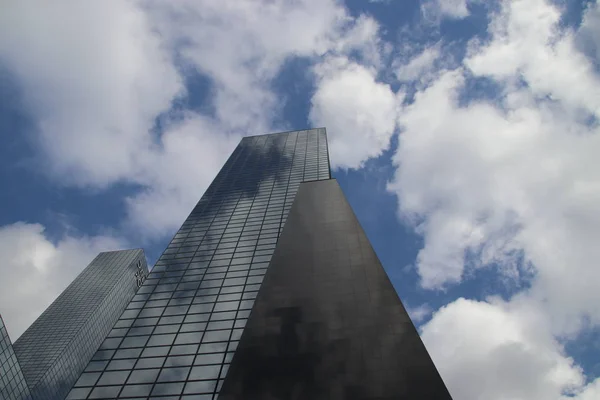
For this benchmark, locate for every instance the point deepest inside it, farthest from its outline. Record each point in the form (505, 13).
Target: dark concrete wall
(327, 323)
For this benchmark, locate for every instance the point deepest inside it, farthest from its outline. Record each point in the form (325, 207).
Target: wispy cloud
(435, 10)
(420, 313)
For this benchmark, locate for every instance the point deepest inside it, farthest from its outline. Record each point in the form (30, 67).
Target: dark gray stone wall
(327, 322)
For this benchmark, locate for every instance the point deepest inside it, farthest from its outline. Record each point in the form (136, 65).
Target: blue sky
(464, 134)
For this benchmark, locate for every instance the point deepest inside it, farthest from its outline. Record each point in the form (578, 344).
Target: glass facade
(178, 335)
(59, 344)
(12, 381)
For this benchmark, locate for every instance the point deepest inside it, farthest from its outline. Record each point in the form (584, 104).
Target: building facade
(12, 381)
(180, 333)
(327, 323)
(56, 348)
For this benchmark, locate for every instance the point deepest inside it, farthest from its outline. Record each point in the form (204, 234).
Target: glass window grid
(12, 381)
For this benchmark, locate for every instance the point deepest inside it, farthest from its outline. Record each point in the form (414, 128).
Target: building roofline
(295, 130)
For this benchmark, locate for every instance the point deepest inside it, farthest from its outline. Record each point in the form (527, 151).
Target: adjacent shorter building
(12, 381)
(55, 349)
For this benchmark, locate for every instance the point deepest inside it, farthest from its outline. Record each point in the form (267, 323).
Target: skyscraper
(327, 323)
(55, 349)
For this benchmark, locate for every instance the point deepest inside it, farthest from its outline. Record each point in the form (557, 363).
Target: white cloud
(435, 10)
(501, 351)
(361, 38)
(96, 76)
(248, 43)
(514, 177)
(420, 66)
(358, 111)
(590, 392)
(35, 270)
(420, 313)
(509, 183)
(241, 46)
(527, 43)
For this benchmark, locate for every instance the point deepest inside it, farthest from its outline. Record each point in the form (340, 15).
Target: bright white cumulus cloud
(509, 182)
(490, 180)
(497, 351)
(358, 111)
(96, 77)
